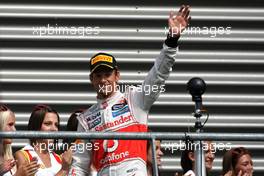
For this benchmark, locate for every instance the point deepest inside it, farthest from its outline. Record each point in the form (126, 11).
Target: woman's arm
(24, 167)
(66, 158)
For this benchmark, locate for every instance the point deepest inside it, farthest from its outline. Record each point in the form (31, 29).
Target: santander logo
(118, 122)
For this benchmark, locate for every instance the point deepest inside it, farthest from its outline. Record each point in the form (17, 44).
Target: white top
(189, 173)
(43, 171)
(8, 174)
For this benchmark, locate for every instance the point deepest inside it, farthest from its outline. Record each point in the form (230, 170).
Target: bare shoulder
(20, 157)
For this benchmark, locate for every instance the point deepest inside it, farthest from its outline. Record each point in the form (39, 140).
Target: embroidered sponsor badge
(93, 120)
(120, 108)
(93, 116)
(94, 123)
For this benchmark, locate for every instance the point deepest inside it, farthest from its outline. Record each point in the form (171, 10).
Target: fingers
(13, 163)
(32, 167)
(66, 159)
(188, 19)
(171, 14)
(229, 173)
(239, 173)
(187, 12)
(182, 8)
(28, 169)
(32, 171)
(8, 164)
(34, 159)
(177, 22)
(67, 154)
(184, 11)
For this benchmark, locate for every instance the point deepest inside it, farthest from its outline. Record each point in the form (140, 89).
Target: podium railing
(152, 136)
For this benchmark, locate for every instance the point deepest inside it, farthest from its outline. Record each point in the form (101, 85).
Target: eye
(47, 123)
(98, 75)
(108, 74)
(245, 164)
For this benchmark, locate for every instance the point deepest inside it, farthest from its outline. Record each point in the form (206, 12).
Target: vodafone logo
(113, 155)
(110, 145)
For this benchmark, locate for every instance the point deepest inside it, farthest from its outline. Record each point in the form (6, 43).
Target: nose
(54, 128)
(211, 155)
(103, 79)
(250, 168)
(160, 153)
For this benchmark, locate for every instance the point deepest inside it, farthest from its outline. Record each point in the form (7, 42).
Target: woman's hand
(66, 158)
(6, 166)
(28, 169)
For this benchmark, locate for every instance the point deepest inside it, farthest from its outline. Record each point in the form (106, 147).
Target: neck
(40, 148)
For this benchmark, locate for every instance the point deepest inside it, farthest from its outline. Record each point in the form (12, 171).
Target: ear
(191, 156)
(91, 77)
(117, 75)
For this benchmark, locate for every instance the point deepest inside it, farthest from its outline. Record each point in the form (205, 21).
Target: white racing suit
(124, 112)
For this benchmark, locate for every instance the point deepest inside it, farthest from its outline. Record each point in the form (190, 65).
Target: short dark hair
(37, 117)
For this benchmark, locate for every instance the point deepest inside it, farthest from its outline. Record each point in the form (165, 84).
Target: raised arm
(156, 77)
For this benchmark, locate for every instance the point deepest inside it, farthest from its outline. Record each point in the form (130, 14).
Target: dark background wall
(53, 69)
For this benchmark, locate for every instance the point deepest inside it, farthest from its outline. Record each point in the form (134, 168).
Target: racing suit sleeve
(81, 158)
(155, 80)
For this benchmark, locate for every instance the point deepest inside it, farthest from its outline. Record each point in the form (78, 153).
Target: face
(50, 123)
(159, 153)
(245, 165)
(209, 156)
(10, 126)
(104, 81)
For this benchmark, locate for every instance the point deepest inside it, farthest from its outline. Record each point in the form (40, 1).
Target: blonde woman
(7, 162)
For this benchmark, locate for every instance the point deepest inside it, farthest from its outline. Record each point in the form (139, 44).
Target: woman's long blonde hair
(5, 113)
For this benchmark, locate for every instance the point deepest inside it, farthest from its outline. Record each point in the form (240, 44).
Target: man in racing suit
(125, 112)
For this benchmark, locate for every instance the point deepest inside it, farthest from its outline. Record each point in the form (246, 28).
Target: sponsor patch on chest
(120, 108)
(93, 120)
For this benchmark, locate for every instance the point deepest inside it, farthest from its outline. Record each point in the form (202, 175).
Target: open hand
(6, 166)
(179, 21)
